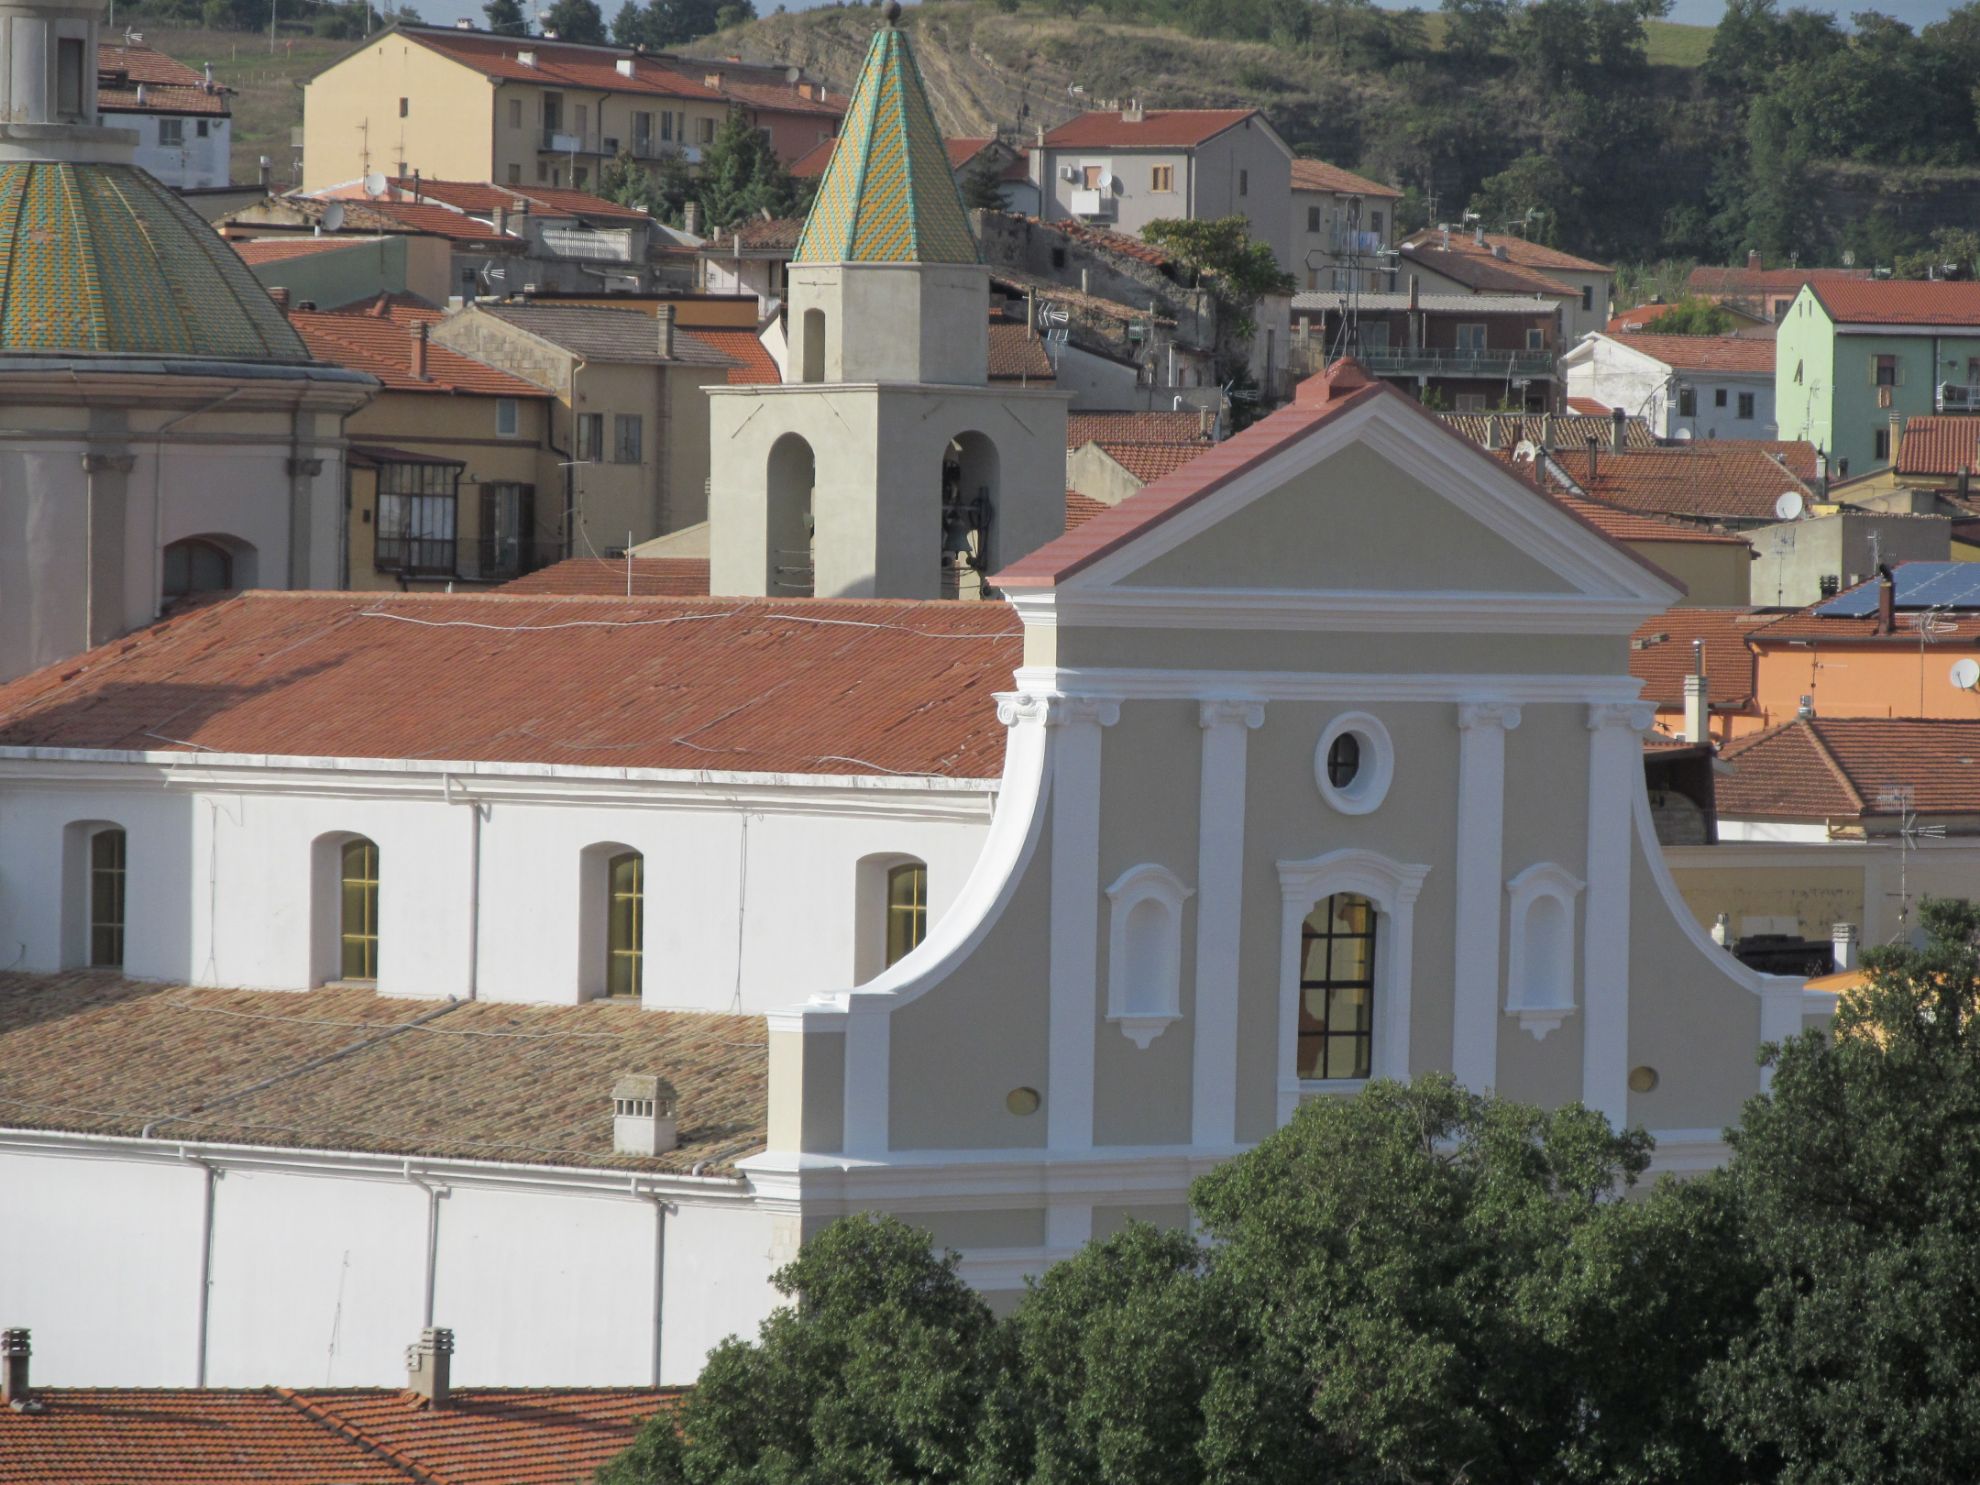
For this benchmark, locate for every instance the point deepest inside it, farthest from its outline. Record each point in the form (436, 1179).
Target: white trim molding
(1364, 793)
(1481, 812)
(1615, 784)
(1540, 977)
(1226, 723)
(1073, 937)
(1393, 886)
(1144, 965)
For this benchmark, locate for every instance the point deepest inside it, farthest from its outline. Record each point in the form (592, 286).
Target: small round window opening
(1353, 763)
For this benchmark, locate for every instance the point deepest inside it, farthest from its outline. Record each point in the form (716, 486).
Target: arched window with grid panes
(358, 914)
(625, 924)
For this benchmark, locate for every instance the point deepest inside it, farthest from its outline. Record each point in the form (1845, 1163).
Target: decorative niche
(1540, 955)
(1144, 951)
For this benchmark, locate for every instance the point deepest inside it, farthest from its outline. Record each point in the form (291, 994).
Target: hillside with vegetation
(1591, 123)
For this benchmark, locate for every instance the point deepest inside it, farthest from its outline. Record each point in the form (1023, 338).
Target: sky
(1916, 13)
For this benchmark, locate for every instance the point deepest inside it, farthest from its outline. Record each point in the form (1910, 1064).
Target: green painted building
(1852, 356)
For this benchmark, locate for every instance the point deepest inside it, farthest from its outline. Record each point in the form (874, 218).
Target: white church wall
(718, 1265)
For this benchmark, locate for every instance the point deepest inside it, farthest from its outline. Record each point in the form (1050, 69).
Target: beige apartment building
(1342, 223)
(466, 105)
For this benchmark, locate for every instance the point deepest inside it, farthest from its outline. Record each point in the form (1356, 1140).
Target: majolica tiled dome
(103, 260)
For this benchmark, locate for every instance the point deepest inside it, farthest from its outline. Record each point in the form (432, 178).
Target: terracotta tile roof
(1105, 240)
(963, 148)
(1660, 653)
(436, 220)
(1757, 281)
(817, 686)
(754, 234)
(1899, 302)
(1588, 407)
(1724, 480)
(764, 97)
(397, 305)
(1738, 355)
(1081, 508)
(605, 577)
(1516, 250)
(1016, 355)
(527, 1083)
(493, 1436)
(1160, 128)
(382, 346)
(1634, 526)
(1634, 319)
(1318, 175)
(170, 87)
(1148, 462)
(257, 250)
(277, 1436)
(754, 365)
(811, 164)
(1950, 623)
(1133, 427)
(480, 198)
(561, 63)
(1941, 446)
(604, 333)
(1564, 431)
(1828, 768)
(1483, 272)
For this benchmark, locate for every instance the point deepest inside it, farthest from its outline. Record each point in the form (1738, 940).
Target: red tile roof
(1722, 480)
(1634, 319)
(255, 250)
(383, 347)
(1148, 462)
(1516, 250)
(481, 198)
(755, 366)
(561, 63)
(1899, 302)
(1758, 281)
(170, 87)
(1738, 355)
(1588, 407)
(1318, 175)
(1838, 768)
(1160, 128)
(273, 1436)
(1105, 240)
(1632, 526)
(760, 234)
(766, 97)
(1081, 508)
(1483, 273)
(1811, 624)
(1660, 653)
(1133, 427)
(819, 686)
(811, 164)
(1939, 446)
(606, 577)
(1016, 355)
(436, 220)
(963, 148)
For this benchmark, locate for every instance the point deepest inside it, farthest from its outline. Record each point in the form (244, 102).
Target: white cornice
(1340, 610)
(1278, 685)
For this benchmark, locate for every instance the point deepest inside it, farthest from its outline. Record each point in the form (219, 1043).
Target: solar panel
(1919, 585)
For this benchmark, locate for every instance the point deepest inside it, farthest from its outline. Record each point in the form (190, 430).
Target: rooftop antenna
(1903, 799)
(1930, 624)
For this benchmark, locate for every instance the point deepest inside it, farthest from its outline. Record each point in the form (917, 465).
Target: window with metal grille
(106, 899)
(358, 919)
(625, 924)
(907, 908)
(416, 525)
(1337, 988)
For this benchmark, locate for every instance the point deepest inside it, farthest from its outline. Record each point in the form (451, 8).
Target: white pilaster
(1615, 773)
(1075, 936)
(1481, 808)
(1219, 900)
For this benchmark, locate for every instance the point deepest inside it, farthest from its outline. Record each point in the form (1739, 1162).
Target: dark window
(1881, 444)
(171, 132)
(907, 908)
(1687, 402)
(1884, 371)
(625, 925)
(625, 438)
(1375, 222)
(405, 107)
(590, 437)
(1343, 760)
(69, 77)
(1337, 989)
(1745, 409)
(1313, 219)
(200, 128)
(358, 918)
(1244, 183)
(106, 899)
(1718, 397)
(1587, 296)
(195, 566)
(416, 527)
(508, 530)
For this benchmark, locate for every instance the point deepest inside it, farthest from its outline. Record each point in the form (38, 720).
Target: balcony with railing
(417, 556)
(569, 142)
(1092, 203)
(1532, 365)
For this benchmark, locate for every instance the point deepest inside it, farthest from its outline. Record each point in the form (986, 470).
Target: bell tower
(48, 84)
(885, 465)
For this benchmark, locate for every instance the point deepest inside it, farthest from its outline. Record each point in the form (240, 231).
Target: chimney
(143, 95)
(418, 332)
(526, 58)
(1886, 599)
(1753, 262)
(281, 298)
(206, 76)
(1594, 452)
(1697, 698)
(712, 80)
(691, 218)
(1206, 425)
(643, 1115)
(1133, 114)
(1038, 137)
(1547, 431)
(14, 1353)
(430, 1366)
(499, 220)
(1415, 293)
(1618, 430)
(1492, 432)
(1086, 281)
(663, 318)
(1897, 438)
(1843, 938)
(265, 175)
(624, 67)
(1478, 235)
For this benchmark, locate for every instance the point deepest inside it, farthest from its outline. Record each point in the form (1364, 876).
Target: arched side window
(625, 924)
(197, 565)
(106, 899)
(1346, 938)
(357, 932)
(1540, 948)
(789, 527)
(1144, 951)
(907, 909)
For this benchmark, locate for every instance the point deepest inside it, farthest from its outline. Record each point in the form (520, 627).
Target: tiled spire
(888, 195)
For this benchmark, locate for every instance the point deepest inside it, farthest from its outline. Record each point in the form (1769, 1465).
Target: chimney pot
(691, 219)
(14, 1354)
(1492, 431)
(663, 318)
(1618, 430)
(1886, 600)
(1753, 262)
(1843, 938)
(418, 331)
(1697, 707)
(430, 1366)
(1594, 453)
(644, 1115)
(281, 297)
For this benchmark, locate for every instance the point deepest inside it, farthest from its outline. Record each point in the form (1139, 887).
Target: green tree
(629, 25)
(576, 20)
(1458, 1295)
(1859, 1174)
(506, 17)
(1474, 27)
(1692, 317)
(1220, 254)
(741, 176)
(1533, 193)
(877, 1374)
(980, 185)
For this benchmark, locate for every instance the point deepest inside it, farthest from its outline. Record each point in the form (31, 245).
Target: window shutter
(1898, 374)
(1873, 371)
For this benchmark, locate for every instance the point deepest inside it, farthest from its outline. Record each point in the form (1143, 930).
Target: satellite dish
(1966, 674)
(333, 217)
(374, 184)
(1525, 451)
(1789, 507)
(1684, 435)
